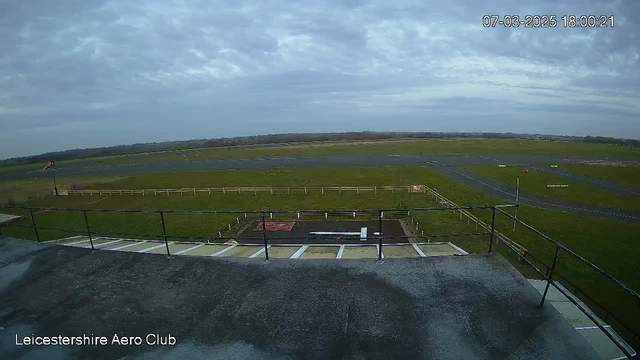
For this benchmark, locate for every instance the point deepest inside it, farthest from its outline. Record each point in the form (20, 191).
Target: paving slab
(242, 251)
(207, 250)
(360, 252)
(438, 249)
(399, 251)
(140, 246)
(282, 252)
(321, 252)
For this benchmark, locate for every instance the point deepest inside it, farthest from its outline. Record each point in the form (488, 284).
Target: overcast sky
(87, 73)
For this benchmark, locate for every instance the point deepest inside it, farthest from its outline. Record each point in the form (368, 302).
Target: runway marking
(189, 249)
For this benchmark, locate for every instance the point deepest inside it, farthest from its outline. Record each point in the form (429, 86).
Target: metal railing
(490, 231)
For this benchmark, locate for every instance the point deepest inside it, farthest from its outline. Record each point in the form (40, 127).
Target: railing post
(379, 235)
(550, 277)
(86, 221)
(264, 237)
(493, 228)
(164, 232)
(33, 221)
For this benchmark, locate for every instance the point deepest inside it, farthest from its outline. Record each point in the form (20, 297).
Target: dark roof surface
(466, 307)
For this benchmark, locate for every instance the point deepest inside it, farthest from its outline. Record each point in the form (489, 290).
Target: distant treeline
(292, 138)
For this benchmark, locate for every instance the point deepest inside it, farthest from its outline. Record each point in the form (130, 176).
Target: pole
(264, 237)
(33, 221)
(379, 235)
(164, 232)
(493, 228)
(55, 185)
(549, 278)
(86, 221)
(515, 216)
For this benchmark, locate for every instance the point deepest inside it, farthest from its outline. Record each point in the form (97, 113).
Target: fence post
(33, 221)
(550, 277)
(375, 190)
(164, 232)
(264, 237)
(223, 191)
(493, 228)
(379, 235)
(86, 221)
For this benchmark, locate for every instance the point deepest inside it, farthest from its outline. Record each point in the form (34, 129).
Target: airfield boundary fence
(490, 231)
(549, 270)
(252, 189)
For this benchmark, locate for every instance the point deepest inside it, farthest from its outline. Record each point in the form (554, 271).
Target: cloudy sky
(86, 73)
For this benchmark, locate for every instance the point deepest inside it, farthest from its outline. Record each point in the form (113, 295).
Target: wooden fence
(255, 190)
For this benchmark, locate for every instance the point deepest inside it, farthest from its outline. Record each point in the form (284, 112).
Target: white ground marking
(339, 256)
(128, 245)
(418, 250)
(257, 253)
(103, 244)
(77, 242)
(300, 251)
(223, 250)
(189, 249)
(151, 248)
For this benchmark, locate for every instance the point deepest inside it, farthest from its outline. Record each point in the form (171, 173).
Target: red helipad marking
(276, 226)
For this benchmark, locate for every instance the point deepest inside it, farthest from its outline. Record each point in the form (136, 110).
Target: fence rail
(489, 229)
(251, 189)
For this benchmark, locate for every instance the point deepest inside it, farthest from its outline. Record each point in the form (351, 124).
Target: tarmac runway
(445, 164)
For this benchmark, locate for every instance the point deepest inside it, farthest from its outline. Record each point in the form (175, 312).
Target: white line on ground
(339, 256)
(418, 250)
(592, 327)
(67, 238)
(223, 250)
(459, 249)
(189, 249)
(299, 253)
(128, 245)
(151, 248)
(258, 252)
(77, 242)
(104, 244)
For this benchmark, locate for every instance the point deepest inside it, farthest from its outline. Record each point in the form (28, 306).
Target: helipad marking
(299, 253)
(189, 249)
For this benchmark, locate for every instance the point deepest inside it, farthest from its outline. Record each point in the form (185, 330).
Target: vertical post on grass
(33, 221)
(264, 237)
(379, 235)
(493, 228)
(164, 232)
(86, 221)
(550, 277)
(55, 185)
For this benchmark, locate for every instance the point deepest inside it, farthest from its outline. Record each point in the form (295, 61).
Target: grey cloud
(75, 67)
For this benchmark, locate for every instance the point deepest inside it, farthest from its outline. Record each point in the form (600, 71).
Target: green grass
(628, 176)
(608, 244)
(420, 147)
(577, 192)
